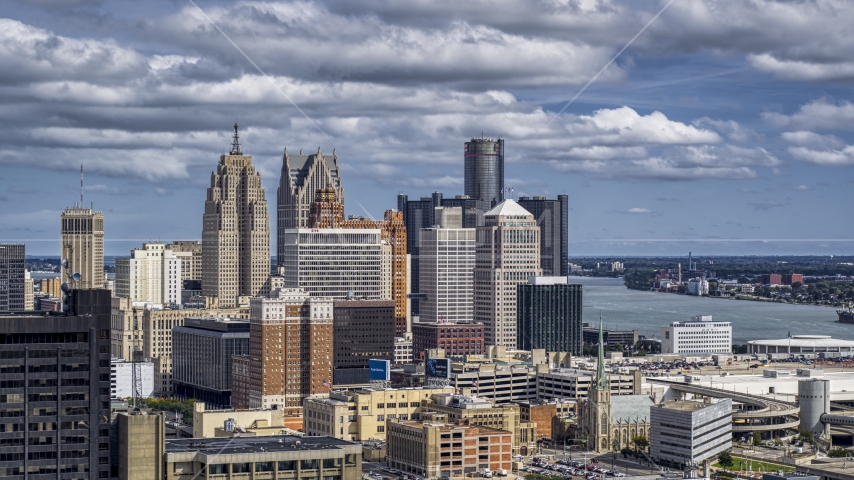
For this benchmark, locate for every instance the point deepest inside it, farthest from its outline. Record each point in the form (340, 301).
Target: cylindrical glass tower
(484, 170)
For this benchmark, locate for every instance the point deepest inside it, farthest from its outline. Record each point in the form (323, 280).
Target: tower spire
(601, 379)
(81, 185)
(235, 142)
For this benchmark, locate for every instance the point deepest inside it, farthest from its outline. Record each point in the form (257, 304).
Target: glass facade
(484, 170)
(549, 317)
(553, 219)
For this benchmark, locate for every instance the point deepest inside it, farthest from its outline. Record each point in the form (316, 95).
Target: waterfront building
(808, 346)
(699, 335)
(361, 414)
(484, 170)
(434, 447)
(12, 277)
(190, 253)
(82, 243)
(457, 339)
(687, 432)
(611, 337)
(553, 219)
(772, 279)
(447, 261)
(151, 274)
(290, 349)
(56, 385)
(201, 362)
(362, 330)
(548, 315)
(790, 278)
(235, 231)
(507, 253)
(698, 286)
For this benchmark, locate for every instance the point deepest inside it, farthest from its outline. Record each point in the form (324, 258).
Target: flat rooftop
(237, 445)
(685, 405)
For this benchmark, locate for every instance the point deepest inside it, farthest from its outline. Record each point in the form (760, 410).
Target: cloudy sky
(726, 127)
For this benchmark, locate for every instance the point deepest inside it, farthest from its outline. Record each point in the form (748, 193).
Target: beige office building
(235, 231)
(82, 243)
(190, 254)
(29, 292)
(446, 266)
(151, 274)
(361, 414)
(508, 252)
(333, 262)
(51, 286)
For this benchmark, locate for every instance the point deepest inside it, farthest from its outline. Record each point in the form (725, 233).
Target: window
(380, 428)
(264, 467)
(380, 405)
(287, 466)
(381, 418)
(241, 467)
(331, 462)
(308, 464)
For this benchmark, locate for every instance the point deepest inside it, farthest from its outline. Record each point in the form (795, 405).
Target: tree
(838, 453)
(725, 460)
(640, 443)
(806, 436)
(757, 438)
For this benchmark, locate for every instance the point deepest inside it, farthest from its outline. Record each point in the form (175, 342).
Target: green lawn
(756, 465)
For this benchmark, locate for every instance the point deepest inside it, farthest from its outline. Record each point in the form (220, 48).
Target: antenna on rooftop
(81, 185)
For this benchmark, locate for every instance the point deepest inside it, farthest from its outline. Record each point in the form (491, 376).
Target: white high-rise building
(700, 335)
(687, 432)
(82, 243)
(446, 266)
(151, 274)
(507, 253)
(122, 378)
(336, 262)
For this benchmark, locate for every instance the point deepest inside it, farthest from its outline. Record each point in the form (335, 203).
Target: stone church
(611, 423)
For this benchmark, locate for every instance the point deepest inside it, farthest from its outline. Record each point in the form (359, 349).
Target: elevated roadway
(754, 413)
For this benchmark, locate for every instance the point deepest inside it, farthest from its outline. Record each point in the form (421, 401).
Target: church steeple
(602, 382)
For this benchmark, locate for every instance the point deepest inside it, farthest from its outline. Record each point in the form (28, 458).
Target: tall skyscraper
(290, 349)
(12, 277)
(548, 312)
(55, 399)
(418, 214)
(484, 170)
(302, 176)
(508, 252)
(235, 231)
(82, 237)
(151, 274)
(326, 212)
(553, 219)
(447, 260)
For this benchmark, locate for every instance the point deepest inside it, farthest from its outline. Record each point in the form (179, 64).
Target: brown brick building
(546, 415)
(433, 447)
(455, 338)
(328, 212)
(290, 349)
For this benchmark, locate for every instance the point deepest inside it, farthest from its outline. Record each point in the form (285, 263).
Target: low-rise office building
(361, 414)
(575, 383)
(263, 458)
(201, 365)
(546, 415)
(206, 421)
(686, 432)
(470, 410)
(402, 350)
(699, 335)
(433, 447)
(455, 338)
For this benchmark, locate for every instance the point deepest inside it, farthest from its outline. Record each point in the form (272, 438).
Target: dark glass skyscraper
(553, 219)
(12, 267)
(484, 170)
(55, 391)
(548, 315)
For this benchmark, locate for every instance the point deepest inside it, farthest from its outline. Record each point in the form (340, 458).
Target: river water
(647, 312)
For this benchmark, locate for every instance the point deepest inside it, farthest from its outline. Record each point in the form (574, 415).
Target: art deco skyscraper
(507, 253)
(82, 238)
(235, 231)
(484, 170)
(302, 176)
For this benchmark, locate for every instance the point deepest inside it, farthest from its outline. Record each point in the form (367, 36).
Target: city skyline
(710, 130)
